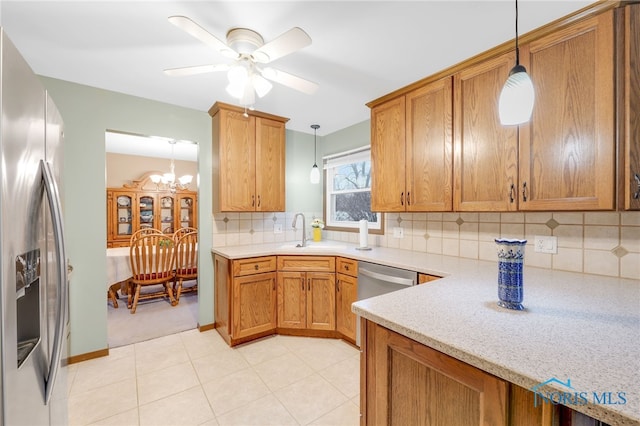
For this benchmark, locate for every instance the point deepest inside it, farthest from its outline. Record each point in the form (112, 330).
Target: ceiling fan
(247, 48)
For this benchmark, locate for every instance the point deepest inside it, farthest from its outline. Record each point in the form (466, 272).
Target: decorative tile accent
(552, 223)
(274, 218)
(619, 251)
(251, 231)
(399, 220)
(225, 220)
(426, 236)
(460, 221)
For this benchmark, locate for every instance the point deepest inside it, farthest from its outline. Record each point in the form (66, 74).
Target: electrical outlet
(543, 244)
(398, 232)
(277, 228)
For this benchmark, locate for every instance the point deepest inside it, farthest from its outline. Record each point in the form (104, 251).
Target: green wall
(87, 112)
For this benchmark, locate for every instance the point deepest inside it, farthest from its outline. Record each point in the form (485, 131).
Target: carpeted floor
(153, 318)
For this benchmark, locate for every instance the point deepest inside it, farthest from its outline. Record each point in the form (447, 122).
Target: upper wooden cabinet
(411, 150)
(563, 159)
(486, 152)
(248, 160)
(630, 79)
(567, 150)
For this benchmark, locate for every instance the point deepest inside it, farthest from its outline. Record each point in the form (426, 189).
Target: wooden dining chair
(152, 260)
(142, 232)
(182, 231)
(186, 264)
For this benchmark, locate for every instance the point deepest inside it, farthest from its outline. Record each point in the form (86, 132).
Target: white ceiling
(361, 50)
(150, 146)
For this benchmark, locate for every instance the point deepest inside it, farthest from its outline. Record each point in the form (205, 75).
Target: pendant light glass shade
(314, 175)
(517, 97)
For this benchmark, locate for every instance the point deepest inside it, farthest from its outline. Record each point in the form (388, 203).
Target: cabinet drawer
(307, 263)
(254, 265)
(347, 266)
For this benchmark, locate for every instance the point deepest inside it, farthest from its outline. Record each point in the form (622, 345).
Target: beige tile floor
(194, 378)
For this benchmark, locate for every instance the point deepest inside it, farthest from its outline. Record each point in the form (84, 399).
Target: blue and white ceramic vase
(510, 266)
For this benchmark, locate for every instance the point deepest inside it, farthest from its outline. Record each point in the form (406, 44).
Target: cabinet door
(146, 214)
(567, 150)
(166, 213)
(236, 161)
(254, 304)
(485, 151)
(321, 301)
(346, 294)
(410, 384)
(121, 221)
(291, 300)
(388, 156)
(186, 211)
(631, 176)
(429, 147)
(270, 165)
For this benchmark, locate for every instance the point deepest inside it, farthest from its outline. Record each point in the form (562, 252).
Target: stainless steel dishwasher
(375, 279)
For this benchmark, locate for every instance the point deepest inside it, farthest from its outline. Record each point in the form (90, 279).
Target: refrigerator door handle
(61, 264)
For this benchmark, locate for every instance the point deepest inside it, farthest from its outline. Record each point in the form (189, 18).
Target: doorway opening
(140, 194)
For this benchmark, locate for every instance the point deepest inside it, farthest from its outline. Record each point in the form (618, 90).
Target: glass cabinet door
(146, 205)
(124, 205)
(166, 214)
(186, 211)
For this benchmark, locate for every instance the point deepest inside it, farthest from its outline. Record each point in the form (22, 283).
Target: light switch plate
(398, 232)
(277, 228)
(544, 244)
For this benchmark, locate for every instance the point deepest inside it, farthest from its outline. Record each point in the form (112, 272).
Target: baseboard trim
(87, 356)
(206, 327)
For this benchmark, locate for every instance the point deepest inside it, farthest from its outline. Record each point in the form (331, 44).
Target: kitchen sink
(313, 246)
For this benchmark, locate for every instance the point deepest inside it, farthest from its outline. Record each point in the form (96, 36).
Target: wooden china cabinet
(136, 206)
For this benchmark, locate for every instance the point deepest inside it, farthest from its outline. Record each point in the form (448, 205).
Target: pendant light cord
(517, 49)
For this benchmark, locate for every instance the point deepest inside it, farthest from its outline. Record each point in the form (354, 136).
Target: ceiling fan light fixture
(261, 85)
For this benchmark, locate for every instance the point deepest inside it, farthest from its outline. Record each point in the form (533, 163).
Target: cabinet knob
(512, 193)
(256, 267)
(337, 285)
(524, 191)
(636, 195)
(408, 198)
(402, 198)
(258, 201)
(253, 201)
(346, 267)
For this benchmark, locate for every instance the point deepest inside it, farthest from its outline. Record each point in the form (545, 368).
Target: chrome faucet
(304, 228)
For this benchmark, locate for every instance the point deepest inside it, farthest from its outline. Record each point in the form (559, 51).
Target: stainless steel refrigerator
(34, 295)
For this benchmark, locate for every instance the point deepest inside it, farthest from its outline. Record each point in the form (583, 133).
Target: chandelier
(167, 181)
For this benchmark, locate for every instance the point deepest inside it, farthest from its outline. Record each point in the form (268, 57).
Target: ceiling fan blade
(290, 80)
(203, 35)
(289, 42)
(198, 69)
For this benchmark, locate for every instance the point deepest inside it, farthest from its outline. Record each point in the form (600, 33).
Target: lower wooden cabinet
(346, 294)
(245, 298)
(403, 382)
(306, 300)
(407, 383)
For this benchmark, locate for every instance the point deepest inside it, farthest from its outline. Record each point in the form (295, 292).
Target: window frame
(326, 176)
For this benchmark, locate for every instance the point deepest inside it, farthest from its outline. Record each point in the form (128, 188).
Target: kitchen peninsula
(578, 335)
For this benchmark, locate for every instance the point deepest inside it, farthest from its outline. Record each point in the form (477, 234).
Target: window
(348, 191)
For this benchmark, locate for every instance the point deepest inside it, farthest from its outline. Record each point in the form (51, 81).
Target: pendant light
(314, 176)
(516, 99)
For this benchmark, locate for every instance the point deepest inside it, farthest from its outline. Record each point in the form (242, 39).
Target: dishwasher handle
(386, 278)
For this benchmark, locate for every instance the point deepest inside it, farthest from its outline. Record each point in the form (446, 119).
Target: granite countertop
(575, 327)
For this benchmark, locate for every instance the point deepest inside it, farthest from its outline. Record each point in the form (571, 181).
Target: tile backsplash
(606, 243)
